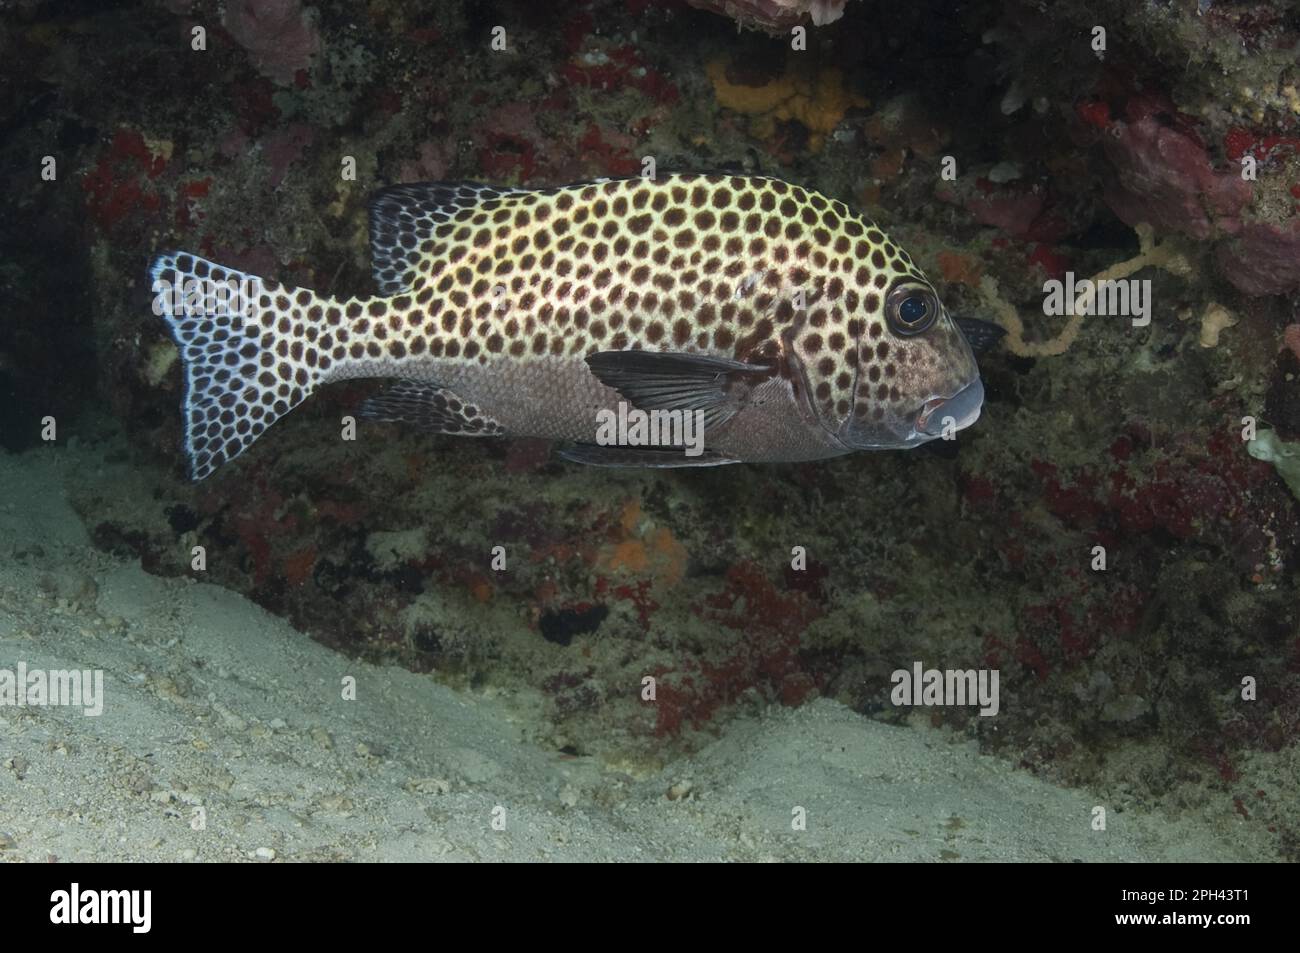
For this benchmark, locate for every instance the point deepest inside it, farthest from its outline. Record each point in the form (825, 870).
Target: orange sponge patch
(817, 100)
(645, 552)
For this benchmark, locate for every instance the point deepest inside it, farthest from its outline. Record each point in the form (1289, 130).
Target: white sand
(212, 704)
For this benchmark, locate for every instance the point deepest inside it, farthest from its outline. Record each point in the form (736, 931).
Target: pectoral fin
(666, 380)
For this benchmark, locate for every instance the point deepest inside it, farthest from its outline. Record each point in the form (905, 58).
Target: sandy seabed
(225, 736)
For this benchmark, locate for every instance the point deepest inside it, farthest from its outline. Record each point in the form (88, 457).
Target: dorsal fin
(402, 219)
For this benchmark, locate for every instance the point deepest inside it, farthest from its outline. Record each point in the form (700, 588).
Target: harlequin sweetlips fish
(789, 326)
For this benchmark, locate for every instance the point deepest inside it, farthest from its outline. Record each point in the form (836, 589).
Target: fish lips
(958, 411)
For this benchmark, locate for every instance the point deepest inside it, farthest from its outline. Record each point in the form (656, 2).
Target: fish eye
(911, 308)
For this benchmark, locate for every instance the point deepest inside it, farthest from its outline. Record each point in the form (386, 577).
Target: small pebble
(680, 790)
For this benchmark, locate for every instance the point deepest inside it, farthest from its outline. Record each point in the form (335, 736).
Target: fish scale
(773, 305)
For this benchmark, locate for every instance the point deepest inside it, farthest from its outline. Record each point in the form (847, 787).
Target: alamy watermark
(133, 908)
(24, 687)
(199, 297)
(632, 427)
(1128, 297)
(933, 687)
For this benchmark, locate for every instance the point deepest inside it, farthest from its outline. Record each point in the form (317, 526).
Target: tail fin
(249, 347)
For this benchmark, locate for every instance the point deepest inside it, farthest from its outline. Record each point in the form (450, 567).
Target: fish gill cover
(408, 222)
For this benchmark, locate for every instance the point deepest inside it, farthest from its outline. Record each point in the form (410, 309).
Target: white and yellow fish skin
(798, 324)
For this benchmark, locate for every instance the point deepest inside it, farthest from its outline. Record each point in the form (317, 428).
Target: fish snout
(960, 410)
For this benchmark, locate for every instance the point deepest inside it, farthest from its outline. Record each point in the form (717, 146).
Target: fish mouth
(958, 411)
(939, 417)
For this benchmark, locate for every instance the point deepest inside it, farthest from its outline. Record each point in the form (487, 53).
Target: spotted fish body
(795, 325)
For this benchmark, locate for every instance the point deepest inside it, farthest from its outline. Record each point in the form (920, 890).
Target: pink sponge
(1264, 260)
(279, 37)
(1165, 177)
(1291, 339)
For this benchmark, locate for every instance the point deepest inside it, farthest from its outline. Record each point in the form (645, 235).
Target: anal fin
(655, 457)
(432, 408)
